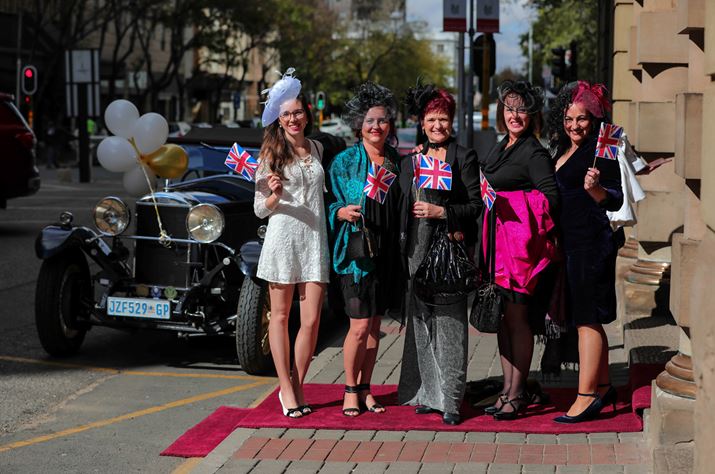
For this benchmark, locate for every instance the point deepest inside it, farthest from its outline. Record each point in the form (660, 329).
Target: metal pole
(460, 88)
(485, 80)
(470, 79)
(18, 77)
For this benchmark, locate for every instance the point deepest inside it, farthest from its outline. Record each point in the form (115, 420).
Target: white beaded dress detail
(295, 248)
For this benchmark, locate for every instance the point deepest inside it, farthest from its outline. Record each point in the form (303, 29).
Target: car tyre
(254, 314)
(63, 287)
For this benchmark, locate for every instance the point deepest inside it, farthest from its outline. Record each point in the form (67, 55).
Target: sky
(514, 18)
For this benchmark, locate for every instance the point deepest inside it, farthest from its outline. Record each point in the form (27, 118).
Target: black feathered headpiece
(367, 96)
(417, 98)
(533, 96)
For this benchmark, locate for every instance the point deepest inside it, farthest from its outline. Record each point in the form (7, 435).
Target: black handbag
(446, 274)
(488, 307)
(361, 242)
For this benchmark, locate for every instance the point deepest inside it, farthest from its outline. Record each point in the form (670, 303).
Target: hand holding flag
(378, 183)
(240, 161)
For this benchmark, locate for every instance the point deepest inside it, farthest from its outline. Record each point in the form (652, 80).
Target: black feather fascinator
(417, 98)
(367, 96)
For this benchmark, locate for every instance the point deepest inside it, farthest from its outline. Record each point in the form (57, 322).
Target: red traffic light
(27, 99)
(29, 73)
(28, 84)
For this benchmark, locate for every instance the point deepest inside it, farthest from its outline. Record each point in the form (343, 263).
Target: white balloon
(116, 154)
(120, 117)
(150, 132)
(135, 181)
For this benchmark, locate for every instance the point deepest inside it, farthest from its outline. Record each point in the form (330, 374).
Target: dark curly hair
(367, 96)
(559, 141)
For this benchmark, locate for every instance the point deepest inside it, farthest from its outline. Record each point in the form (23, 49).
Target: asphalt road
(126, 396)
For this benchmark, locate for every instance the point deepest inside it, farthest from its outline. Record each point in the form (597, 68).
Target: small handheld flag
(608, 139)
(240, 161)
(378, 183)
(488, 193)
(434, 174)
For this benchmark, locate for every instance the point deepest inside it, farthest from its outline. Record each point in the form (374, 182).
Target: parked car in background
(336, 126)
(196, 277)
(178, 129)
(406, 140)
(19, 176)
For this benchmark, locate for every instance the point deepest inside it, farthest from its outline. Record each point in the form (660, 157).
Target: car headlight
(111, 216)
(261, 231)
(205, 223)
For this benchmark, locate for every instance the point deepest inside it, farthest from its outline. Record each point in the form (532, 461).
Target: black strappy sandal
(503, 398)
(376, 407)
(522, 403)
(351, 411)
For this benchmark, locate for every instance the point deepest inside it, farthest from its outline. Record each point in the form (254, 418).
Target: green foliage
(558, 23)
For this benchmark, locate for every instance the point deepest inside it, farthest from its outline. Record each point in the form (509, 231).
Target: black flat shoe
(451, 418)
(518, 404)
(589, 413)
(423, 410)
(351, 411)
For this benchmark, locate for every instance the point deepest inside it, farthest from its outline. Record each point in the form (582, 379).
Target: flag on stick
(608, 139)
(240, 161)
(488, 193)
(378, 183)
(434, 174)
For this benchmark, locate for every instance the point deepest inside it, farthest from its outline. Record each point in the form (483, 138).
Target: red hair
(441, 102)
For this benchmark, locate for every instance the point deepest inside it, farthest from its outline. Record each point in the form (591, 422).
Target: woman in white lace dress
(289, 191)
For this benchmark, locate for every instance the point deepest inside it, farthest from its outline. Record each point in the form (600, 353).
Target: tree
(558, 23)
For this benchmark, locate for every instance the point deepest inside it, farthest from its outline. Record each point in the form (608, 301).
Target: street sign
(82, 72)
(488, 16)
(455, 15)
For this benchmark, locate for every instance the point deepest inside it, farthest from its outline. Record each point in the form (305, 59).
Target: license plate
(138, 307)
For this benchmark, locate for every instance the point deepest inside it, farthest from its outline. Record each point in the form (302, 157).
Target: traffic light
(28, 82)
(558, 63)
(478, 56)
(320, 100)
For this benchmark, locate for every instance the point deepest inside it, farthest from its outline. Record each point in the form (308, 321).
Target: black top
(524, 166)
(463, 200)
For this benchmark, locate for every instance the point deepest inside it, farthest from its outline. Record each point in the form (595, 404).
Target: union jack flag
(434, 174)
(608, 139)
(240, 161)
(488, 193)
(378, 183)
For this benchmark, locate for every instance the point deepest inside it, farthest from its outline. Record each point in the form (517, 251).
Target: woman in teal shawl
(367, 283)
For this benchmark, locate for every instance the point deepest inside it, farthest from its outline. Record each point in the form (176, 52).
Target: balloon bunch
(138, 148)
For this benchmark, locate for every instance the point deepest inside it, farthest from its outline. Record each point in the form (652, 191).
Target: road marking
(129, 416)
(187, 466)
(109, 370)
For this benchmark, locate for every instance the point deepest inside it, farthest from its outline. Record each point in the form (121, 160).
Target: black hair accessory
(533, 96)
(367, 96)
(417, 98)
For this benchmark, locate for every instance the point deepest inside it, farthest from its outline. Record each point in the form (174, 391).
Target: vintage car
(193, 274)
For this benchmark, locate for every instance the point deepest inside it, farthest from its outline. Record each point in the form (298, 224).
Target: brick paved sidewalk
(270, 450)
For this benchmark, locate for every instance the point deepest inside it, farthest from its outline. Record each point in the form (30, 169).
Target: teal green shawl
(348, 173)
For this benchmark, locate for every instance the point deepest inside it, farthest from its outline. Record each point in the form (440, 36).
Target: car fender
(250, 253)
(55, 239)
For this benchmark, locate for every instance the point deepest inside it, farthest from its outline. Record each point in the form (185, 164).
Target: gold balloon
(169, 161)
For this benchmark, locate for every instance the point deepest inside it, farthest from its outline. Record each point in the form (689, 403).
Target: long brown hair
(276, 151)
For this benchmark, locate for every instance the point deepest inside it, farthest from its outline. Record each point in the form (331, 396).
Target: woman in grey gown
(434, 363)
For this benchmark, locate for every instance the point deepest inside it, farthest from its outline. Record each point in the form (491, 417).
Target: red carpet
(326, 400)
(204, 437)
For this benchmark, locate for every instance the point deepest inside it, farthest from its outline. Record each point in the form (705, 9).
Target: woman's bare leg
(592, 343)
(368, 364)
(281, 299)
(353, 357)
(311, 303)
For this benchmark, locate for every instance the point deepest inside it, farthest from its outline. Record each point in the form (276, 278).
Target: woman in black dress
(369, 285)
(518, 163)
(590, 246)
(434, 363)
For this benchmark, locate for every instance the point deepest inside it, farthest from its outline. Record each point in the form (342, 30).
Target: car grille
(155, 264)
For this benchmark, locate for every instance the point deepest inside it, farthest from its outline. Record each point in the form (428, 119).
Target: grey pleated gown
(434, 362)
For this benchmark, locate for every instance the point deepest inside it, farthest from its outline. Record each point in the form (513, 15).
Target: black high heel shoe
(522, 404)
(351, 411)
(503, 398)
(376, 407)
(611, 395)
(589, 413)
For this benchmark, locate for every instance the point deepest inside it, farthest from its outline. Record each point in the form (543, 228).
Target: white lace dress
(296, 245)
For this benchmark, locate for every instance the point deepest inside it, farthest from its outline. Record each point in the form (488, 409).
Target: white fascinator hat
(287, 88)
